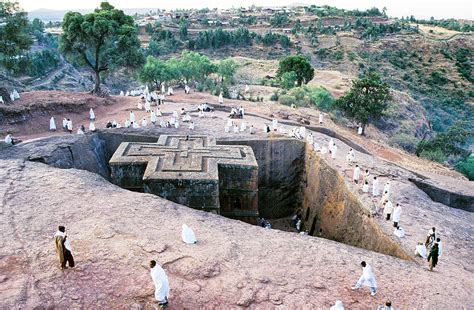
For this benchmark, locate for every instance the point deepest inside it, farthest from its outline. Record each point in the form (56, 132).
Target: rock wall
(280, 170)
(331, 211)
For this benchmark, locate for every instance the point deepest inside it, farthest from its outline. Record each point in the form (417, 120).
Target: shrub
(322, 99)
(287, 100)
(466, 167)
(404, 141)
(434, 155)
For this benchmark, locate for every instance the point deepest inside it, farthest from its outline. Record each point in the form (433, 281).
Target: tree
(103, 40)
(195, 67)
(366, 100)
(226, 69)
(298, 64)
(14, 39)
(183, 29)
(156, 71)
(288, 80)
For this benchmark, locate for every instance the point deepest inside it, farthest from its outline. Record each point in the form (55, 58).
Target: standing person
(387, 209)
(65, 124)
(63, 248)
(367, 279)
(375, 187)
(356, 174)
(52, 124)
(69, 125)
(440, 247)
(221, 98)
(162, 287)
(397, 212)
(91, 115)
(430, 238)
(433, 256)
(321, 118)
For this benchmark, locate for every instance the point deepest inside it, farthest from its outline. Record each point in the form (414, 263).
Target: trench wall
(280, 171)
(331, 211)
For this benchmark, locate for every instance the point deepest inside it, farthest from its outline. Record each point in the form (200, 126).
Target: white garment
(16, 94)
(243, 126)
(135, 125)
(69, 125)
(337, 306)
(368, 277)
(92, 126)
(52, 124)
(153, 117)
(331, 144)
(132, 117)
(1, 99)
(440, 247)
(397, 212)
(321, 118)
(359, 131)
(247, 89)
(302, 132)
(310, 139)
(375, 188)
(221, 98)
(201, 113)
(274, 124)
(421, 250)
(79, 131)
(9, 139)
(334, 151)
(64, 123)
(386, 188)
(140, 105)
(356, 175)
(324, 150)
(191, 126)
(365, 188)
(176, 125)
(91, 114)
(158, 112)
(400, 232)
(170, 91)
(12, 97)
(127, 124)
(147, 106)
(388, 209)
(67, 243)
(162, 287)
(144, 123)
(121, 93)
(187, 234)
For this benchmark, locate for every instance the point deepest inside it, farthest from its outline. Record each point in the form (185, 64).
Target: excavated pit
(290, 178)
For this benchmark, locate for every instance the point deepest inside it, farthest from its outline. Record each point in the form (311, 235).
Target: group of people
(14, 95)
(158, 275)
(68, 126)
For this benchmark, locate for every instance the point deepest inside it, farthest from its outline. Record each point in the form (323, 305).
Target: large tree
(14, 39)
(366, 100)
(157, 71)
(103, 40)
(300, 65)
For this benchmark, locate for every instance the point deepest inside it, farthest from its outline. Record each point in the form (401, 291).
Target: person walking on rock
(433, 256)
(367, 279)
(162, 287)
(63, 248)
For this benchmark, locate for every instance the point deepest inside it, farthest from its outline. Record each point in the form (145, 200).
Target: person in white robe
(173, 120)
(132, 117)
(274, 124)
(359, 131)
(242, 111)
(334, 151)
(162, 123)
(127, 124)
(114, 124)
(187, 118)
(387, 209)
(187, 89)
(1, 99)
(243, 126)
(350, 157)
(399, 232)
(365, 187)
(140, 104)
(187, 234)
(158, 112)
(386, 188)
(397, 213)
(69, 125)
(135, 125)
(121, 93)
(162, 286)
(91, 114)
(317, 147)
(92, 126)
(144, 122)
(337, 306)
(128, 93)
(9, 139)
(302, 132)
(420, 250)
(440, 247)
(321, 117)
(367, 279)
(375, 187)
(65, 124)
(80, 131)
(247, 89)
(310, 138)
(170, 91)
(331, 144)
(252, 130)
(163, 88)
(236, 128)
(12, 97)
(201, 114)
(324, 150)
(356, 174)
(221, 99)
(227, 128)
(153, 118)
(16, 94)
(175, 114)
(191, 126)
(366, 176)
(147, 106)
(52, 124)
(176, 124)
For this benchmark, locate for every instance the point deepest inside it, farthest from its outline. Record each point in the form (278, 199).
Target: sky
(462, 9)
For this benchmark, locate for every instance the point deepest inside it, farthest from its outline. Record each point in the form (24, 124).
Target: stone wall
(280, 170)
(331, 211)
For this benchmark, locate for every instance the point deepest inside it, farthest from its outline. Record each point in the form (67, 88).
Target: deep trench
(291, 178)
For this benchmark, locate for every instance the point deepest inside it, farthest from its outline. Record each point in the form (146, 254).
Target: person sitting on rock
(9, 140)
(421, 250)
(162, 287)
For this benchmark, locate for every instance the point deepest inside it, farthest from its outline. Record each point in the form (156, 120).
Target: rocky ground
(114, 233)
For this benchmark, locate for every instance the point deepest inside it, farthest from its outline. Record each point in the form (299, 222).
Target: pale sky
(419, 8)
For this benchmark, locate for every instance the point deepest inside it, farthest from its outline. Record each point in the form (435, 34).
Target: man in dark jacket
(433, 256)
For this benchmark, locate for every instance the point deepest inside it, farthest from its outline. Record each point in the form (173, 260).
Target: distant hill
(48, 15)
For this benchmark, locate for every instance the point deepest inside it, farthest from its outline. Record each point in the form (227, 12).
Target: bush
(466, 167)
(287, 100)
(322, 99)
(434, 155)
(404, 141)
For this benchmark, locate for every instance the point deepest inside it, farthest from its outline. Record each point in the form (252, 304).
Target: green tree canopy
(366, 100)
(103, 40)
(156, 71)
(14, 39)
(226, 69)
(298, 64)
